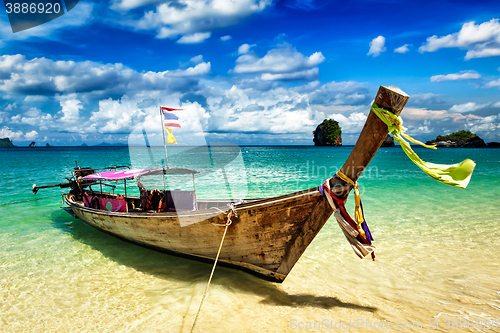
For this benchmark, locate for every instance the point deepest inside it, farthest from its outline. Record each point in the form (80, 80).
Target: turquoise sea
(437, 267)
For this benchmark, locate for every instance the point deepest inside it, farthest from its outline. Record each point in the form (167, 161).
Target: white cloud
(244, 48)
(427, 98)
(352, 124)
(283, 63)
(467, 107)
(70, 112)
(191, 17)
(492, 84)
(195, 38)
(225, 38)
(463, 75)
(482, 40)
(42, 76)
(402, 49)
(377, 46)
(200, 69)
(31, 135)
(35, 98)
(10, 107)
(6, 132)
(497, 105)
(198, 59)
(305, 75)
(33, 117)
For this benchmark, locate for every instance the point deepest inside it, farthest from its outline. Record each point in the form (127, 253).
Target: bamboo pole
(165, 147)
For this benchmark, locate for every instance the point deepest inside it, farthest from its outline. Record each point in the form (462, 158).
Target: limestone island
(388, 142)
(6, 143)
(460, 139)
(328, 133)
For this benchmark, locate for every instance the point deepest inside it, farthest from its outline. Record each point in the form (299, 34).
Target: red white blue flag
(170, 119)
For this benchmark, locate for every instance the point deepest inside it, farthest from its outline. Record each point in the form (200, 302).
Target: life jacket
(93, 201)
(153, 200)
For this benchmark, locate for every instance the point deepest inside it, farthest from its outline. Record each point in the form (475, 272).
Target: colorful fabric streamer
(457, 175)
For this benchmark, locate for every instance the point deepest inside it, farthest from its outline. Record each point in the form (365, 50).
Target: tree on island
(6, 143)
(456, 136)
(328, 133)
(461, 139)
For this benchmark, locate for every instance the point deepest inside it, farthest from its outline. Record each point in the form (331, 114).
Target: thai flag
(170, 119)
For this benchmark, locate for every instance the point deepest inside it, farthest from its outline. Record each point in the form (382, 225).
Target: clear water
(438, 252)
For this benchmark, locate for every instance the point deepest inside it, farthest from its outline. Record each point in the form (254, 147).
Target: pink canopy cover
(117, 174)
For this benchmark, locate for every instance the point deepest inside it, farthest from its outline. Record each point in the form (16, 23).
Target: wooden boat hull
(267, 238)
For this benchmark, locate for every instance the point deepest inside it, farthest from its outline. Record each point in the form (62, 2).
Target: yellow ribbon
(457, 175)
(358, 212)
(394, 123)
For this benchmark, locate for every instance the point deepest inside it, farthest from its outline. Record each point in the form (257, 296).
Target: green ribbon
(457, 175)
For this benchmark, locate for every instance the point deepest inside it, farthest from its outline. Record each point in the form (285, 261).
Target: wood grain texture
(372, 136)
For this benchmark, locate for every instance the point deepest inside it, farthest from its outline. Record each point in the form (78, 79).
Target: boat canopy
(131, 174)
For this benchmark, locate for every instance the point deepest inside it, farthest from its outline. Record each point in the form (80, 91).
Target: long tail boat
(266, 236)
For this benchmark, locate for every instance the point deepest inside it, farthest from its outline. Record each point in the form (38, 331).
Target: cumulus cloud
(195, 38)
(198, 59)
(41, 76)
(35, 98)
(31, 135)
(402, 49)
(305, 75)
(190, 18)
(482, 40)
(463, 75)
(10, 107)
(282, 63)
(33, 117)
(244, 48)
(467, 107)
(492, 84)
(377, 46)
(6, 132)
(351, 124)
(225, 38)
(70, 112)
(427, 98)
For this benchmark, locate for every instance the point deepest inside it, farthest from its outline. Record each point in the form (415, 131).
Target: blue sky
(249, 71)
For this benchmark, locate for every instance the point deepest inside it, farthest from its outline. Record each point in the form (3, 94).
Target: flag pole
(165, 147)
(163, 132)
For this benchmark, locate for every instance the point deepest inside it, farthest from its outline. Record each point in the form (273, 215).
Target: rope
(17, 202)
(228, 223)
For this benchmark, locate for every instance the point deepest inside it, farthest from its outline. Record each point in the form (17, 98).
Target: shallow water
(437, 262)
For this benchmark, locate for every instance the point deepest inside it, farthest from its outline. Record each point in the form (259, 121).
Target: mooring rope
(17, 202)
(228, 223)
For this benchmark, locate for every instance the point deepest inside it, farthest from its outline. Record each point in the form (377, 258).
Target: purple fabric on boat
(117, 174)
(86, 201)
(365, 225)
(113, 205)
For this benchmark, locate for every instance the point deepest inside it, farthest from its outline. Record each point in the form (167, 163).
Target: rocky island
(328, 133)
(6, 143)
(460, 139)
(388, 142)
